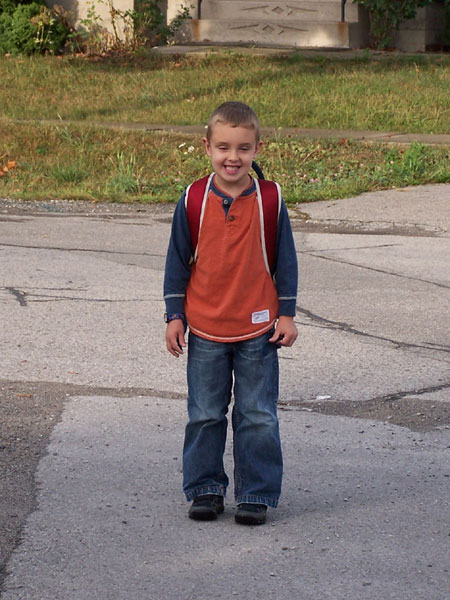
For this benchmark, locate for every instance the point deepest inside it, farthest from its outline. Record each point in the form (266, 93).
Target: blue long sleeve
(286, 269)
(179, 253)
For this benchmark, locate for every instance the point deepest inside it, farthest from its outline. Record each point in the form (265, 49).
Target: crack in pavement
(26, 298)
(403, 394)
(348, 248)
(378, 228)
(54, 213)
(20, 296)
(96, 251)
(387, 398)
(346, 328)
(375, 269)
(404, 409)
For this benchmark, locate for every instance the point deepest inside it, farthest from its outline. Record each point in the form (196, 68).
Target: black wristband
(172, 316)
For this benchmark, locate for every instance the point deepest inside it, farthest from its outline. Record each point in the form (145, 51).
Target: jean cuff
(218, 490)
(250, 499)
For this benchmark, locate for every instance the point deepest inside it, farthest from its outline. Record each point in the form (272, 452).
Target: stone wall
(78, 9)
(425, 31)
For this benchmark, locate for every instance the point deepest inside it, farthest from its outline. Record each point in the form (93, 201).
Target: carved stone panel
(277, 10)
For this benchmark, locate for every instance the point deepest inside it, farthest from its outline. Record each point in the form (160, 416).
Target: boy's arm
(286, 281)
(176, 277)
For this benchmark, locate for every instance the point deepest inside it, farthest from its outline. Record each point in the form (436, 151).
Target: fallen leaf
(11, 164)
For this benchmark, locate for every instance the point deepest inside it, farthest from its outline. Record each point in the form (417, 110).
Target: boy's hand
(175, 337)
(285, 332)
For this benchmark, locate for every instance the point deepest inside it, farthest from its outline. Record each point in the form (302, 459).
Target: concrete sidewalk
(386, 137)
(96, 401)
(362, 54)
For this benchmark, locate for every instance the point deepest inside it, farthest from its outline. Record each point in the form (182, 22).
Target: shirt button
(225, 202)
(231, 218)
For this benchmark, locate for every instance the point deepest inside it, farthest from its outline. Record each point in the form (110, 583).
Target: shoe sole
(249, 520)
(205, 514)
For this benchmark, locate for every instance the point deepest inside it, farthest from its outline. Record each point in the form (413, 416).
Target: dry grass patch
(76, 162)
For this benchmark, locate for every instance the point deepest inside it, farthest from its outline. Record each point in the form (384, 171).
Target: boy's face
(232, 150)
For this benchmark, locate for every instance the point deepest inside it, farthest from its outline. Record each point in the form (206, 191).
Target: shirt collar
(218, 192)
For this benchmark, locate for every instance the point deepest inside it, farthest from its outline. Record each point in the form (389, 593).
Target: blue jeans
(258, 465)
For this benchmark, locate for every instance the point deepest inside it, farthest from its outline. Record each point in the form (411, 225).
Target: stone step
(274, 10)
(289, 33)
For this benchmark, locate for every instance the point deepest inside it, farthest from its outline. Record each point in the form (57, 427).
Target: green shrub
(17, 32)
(5, 27)
(11, 5)
(150, 23)
(386, 16)
(31, 28)
(131, 29)
(7, 6)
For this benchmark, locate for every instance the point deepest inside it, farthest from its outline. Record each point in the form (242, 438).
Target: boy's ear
(207, 146)
(258, 147)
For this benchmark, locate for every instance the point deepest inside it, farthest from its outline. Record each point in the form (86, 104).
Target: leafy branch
(386, 16)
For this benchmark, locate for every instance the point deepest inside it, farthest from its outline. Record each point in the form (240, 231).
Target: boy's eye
(241, 149)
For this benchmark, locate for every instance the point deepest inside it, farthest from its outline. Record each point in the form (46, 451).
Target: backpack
(269, 202)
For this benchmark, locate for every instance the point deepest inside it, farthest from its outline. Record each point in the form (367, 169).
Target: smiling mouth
(231, 168)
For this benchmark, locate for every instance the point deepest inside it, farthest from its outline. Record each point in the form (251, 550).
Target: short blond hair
(236, 114)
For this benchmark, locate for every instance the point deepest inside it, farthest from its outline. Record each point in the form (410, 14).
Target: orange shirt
(230, 295)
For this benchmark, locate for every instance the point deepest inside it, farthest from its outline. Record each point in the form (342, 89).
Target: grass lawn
(398, 93)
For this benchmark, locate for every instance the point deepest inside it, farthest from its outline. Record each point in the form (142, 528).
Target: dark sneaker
(251, 514)
(206, 508)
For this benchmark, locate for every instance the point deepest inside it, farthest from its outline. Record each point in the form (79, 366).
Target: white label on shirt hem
(262, 316)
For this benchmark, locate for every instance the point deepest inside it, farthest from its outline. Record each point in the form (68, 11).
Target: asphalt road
(93, 412)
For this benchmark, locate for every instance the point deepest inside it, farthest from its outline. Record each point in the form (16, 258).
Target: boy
(238, 313)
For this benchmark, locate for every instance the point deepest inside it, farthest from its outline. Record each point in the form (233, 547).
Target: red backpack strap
(196, 195)
(271, 205)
